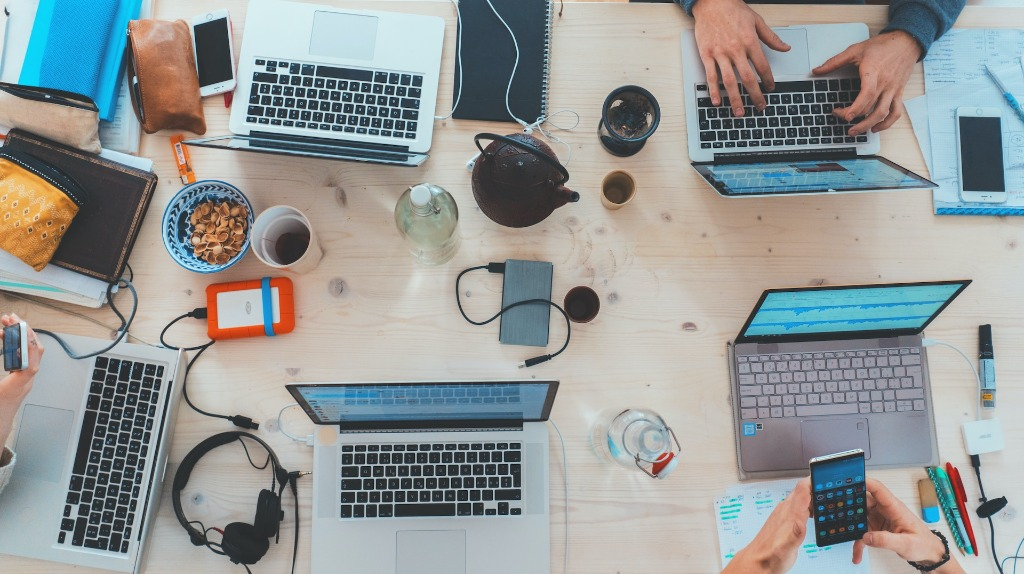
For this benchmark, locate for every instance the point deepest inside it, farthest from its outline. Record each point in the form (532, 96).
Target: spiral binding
(546, 74)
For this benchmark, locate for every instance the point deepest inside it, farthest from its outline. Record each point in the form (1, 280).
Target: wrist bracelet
(943, 560)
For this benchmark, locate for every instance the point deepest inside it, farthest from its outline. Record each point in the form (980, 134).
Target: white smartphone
(215, 56)
(979, 146)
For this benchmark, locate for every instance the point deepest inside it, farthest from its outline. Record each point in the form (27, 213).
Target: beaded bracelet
(943, 560)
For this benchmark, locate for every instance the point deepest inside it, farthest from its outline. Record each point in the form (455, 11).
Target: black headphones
(241, 542)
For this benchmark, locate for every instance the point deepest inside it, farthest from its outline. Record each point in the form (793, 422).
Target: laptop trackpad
(431, 552)
(43, 442)
(795, 62)
(828, 436)
(341, 35)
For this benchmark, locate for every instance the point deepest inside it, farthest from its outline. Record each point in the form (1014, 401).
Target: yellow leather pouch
(37, 204)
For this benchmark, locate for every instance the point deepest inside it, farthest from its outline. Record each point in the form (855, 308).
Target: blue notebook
(79, 47)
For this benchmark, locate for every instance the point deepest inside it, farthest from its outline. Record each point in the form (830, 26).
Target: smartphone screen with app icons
(839, 497)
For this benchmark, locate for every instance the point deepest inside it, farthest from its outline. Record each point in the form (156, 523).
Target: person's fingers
(764, 71)
(769, 37)
(858, 551)
(865, 102)
(872, 119)
(901, 544)
(711, 71)
(895, 112)
(847, 56)
(731, 87)
(750, 82)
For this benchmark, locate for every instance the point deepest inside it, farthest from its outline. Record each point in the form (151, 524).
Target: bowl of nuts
(206, 226)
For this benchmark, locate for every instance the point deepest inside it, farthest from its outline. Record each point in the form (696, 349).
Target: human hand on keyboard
(884, 64)
(729, 36)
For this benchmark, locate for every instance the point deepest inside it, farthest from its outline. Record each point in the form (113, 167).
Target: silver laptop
(430, 478)
(796, 145)
(92, 447)
(334, 83)
(819, 370)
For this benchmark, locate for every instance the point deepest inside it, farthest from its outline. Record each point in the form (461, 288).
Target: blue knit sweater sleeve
(925, 20)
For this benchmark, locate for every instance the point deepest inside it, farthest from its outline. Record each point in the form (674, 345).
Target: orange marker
(182, 159)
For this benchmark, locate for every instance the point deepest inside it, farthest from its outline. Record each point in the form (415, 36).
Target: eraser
(929, 501)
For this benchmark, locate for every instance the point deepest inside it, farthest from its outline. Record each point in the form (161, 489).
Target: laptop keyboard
(321, 98)
(453, 479)
(102, 500)
(834, 383)
(798, 114)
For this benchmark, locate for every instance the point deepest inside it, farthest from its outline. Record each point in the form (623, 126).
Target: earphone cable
(458, 58)
(977, 377)
(565, 481)
(122, 331)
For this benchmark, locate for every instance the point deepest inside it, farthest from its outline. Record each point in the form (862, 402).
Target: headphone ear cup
(243, 544)
(268, 514)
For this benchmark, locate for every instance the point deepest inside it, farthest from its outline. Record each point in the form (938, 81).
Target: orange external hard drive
(262, 307)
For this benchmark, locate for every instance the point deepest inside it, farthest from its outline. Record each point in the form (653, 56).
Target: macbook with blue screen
(431, 477)
(818, 370)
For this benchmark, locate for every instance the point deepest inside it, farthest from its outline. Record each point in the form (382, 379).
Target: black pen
(986, 358)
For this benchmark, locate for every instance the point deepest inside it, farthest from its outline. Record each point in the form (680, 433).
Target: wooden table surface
(677, 270)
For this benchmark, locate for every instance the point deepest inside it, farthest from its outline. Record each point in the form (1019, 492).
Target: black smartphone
(16, 347)
(838, 497)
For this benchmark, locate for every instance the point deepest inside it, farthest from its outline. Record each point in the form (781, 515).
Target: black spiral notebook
(489, 55)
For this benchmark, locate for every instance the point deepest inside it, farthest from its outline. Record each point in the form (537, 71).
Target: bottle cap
(420, 195)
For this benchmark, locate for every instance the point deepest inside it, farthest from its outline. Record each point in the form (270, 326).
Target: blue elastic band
(268, 309)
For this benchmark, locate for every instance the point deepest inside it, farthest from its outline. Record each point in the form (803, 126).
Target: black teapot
(517, 180)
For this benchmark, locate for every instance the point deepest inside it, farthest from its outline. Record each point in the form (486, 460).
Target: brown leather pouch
(162, 75)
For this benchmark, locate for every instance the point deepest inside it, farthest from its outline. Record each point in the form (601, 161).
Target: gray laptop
(796, 145)
(819, 370)
(430, 478)
(92, 446)
(334, 83)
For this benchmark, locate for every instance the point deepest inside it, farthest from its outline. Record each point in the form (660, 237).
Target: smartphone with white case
(214, 50)
(979, 146)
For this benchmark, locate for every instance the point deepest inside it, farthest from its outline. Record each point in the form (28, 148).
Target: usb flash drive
(986, 359)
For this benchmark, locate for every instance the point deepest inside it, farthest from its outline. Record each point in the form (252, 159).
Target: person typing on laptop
(13, 389)
(729, 36)
(891, 525)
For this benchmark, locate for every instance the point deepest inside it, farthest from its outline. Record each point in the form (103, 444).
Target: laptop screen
(425, 405)
(868, 173)
(861, 311)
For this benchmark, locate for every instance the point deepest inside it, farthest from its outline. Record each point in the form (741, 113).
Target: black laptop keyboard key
(411, 510)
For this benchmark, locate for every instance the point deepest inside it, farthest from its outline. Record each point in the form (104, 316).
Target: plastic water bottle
(428, 220)
(622, 436)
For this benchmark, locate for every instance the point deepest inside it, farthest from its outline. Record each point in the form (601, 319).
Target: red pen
(961, 502)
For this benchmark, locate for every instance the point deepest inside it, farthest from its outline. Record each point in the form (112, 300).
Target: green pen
(949, 507)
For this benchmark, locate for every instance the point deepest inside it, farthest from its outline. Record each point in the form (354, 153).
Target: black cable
(292, 478)
(201, 313)
(500, 268)
(976, 463)
(122, 330)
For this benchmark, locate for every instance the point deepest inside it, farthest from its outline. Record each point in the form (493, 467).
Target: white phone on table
(979, 147)
(214, 50)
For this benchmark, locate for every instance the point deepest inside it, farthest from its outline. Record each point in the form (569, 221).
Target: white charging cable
(308, 440)
(565, 481)
(458, 57)
(970, 363)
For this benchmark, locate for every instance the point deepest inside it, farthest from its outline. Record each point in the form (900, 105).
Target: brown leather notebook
(101, 236)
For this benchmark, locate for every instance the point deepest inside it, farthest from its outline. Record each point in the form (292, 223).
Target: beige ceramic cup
(617, 189)
(283, 238)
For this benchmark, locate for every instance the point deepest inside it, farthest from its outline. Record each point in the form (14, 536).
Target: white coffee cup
(283, 238)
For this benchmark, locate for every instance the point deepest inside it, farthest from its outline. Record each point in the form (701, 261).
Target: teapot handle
(525, 147)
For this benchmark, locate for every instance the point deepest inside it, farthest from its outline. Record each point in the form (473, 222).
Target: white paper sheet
(742, 512)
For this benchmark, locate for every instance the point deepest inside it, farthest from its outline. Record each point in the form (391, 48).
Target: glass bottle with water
(428, 220)
(633, 437)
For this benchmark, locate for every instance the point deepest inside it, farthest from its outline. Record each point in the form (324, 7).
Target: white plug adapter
(983, 436)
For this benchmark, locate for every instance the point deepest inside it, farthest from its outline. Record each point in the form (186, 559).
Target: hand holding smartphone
(838, 497)
(979, 146)
(16, 347)
(215, 60)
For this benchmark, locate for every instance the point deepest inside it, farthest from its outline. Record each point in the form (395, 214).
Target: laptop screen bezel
(549, 400)
(701, 168)
(845, 335)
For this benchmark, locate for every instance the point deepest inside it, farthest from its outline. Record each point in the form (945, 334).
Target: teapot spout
(565, 195)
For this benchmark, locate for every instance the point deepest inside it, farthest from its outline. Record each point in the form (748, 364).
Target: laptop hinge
(312, 141)
(786, 155)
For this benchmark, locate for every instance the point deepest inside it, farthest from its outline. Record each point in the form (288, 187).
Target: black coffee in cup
(290, 246)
